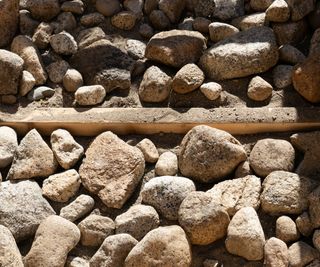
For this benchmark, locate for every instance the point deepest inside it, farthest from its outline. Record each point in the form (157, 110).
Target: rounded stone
(211, 90)
(282, 76)
(167, 164)
(90, 95)
(108, 7)
(219, 31)
(259, 89)
(63, 43)
(286, 229)
(72, 80)
(43, 10)
(276, 253)
(8, 145)
(148, 150)
(124, 20)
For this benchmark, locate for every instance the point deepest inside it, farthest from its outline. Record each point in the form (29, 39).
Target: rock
(314, 208)
(11, 66)
(299, 8)
(8, 145)
(22, 208)
(113, 251)
(90, 95)
(137, 221)
(82, 205)
(285, 193)
(40, 93)
(203, 220)
(276, 253)
(259, 89)
(124, 20)
(270, 155)
(54, 238)
(159, 20)
(92, 19)
(172, 8)
(304, 224)
(10, 254)
(290, 54)
(219, 31)
(135, 6)
(245, 236)
(148, 150)
(290, 32)
(32, 159)
(203, 8)
(282, 76)
(300, 254)
(43, 10)
(124, 164)
(89, 36)
(150, 5)
(65, 22)
(66, 150)
(9, 18)
(72, 80)
(245, 53)
(27, 25)
(278, 11)
(187, 79)
(211, 263)
(135, 48)
(57, 70)
(95, 229)
(226, 10)
(74, 6)
(42, 34)
(216, 156)
(76, 262)
(25, 48)
(201, 24)
(243, 170)
(172, 190)
(8, 99)
(260, 5)
(176, 48)
(286, 229)
(27, 82)
(250, 21)
(314, 49)
(314, 19)
(62, 186)
(166, 245)
(167, 164)
(316, 239)
(236, 194)
(306, 79)
(63, 43)
(108, 8)
(211, 90)
(146, 31)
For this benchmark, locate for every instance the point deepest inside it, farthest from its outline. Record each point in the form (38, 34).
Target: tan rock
(260, 5)
(172, 8)
(219, 31)
(41, 36)
(72, 80)
(124, 20)
(8, 145)
(286, 229)
(250, 21)
(300, 254)
(278, 11)
(90, 95)
(149, 150)
(243, 170)
(259, 89)
(108, 7)
(211, 90)
(304, 224)
(316, 239)
(167, 164)
(43, 9)
(27, 83)
(276, 253)
(76, 262)
(9, 18)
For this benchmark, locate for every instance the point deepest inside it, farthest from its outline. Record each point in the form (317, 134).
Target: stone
(245, 236)
(243, 54)
(33, 158)
(282, 76)
(8, 99)
(172, 8)
(186, 24)
(187, 79)
(316, 239)
(226, 10)
(159, 20)
(166, 245)
(27, 83)
(201, 24)
(167, 164)
(112, 169)
(149, 6)
(286, 229)
(54, 238)
(290, 54)
(260, 5)
(299, 8)
(155, 85)
(306, 79)
(74, 6)
(10, 254)
(9, 19)
(215, 156)
(25, 48)
(11, 66)
(285, 193)
(124, 20)
(250, 21)
(291, 32)
(259, 89)
(40, 92)
(108, 8)
(8, 145)
(236, 194)
(137, 221)
(64, 22)
(63, 43)
(61, 187)
(27, 25)
(315, 263)
(314, 18)
(176, 48)
(243, 170)
(66, 150)
(211, 90)
(203, 220)
(78, 208)
(89, 36)
(42, 34)
(146, 31)
(43, 10)
(95, 229)
(22, 208)
(211, 263)
(76, 262)
(204, 8)
(270, 155)
(148, 150)
(90, 95)
(219, 31)
(172, 189)
(314, 49)
(278, 11)
(92, 19)
(114, 78)
(304, 224)
(135, 48)
(276, 253)
(314, 200)
(113, 251)
(57, 70)
(72, 80)
(135, 6)
(300, 254)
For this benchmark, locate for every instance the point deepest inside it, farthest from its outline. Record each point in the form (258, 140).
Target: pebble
(57, 70)
(201, 24)
(135, 48)
(278, 11)
(42, 34)
(43, 10)
(124, 20)
(304, 224)
(250, 21)
(300, 254)
(211, 90)
(259, 89)
(27, 83)
(276, 253)
(63, 43)
(74, 6)
(148, 150)
(282, 76)
(8, 145)
(90, 95)
(286, 229)
(167, 164)
(92, 19)
(316, 239)
(108, 8)
(219, 31)
(146, 31)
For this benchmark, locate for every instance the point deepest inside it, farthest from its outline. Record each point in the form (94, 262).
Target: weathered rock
(203, 220)
(63, 43)
(57, 70)
(270, 155)
(276, 253)
(159, 20)
(137, 221)
(82, 205)
(95, 229)
(278, 11)
(8, 145)
(314, 49)
(245, 235)
(290, 54)
(300, 254)
(41, 36)
(236, 194)
(150, 5)
(22, 208)
(65, 22)
(27, 24)
(250, 21)
(167, 164)
(166, 245)
(172, 8)
(76, 262)
(286, 229)
(304, 224)
(74, 6)
(291, 32)
(176, 48)
(299, 8)
(314, 207)
(43, 9)
(203, 8)
(148, 150)
(62, 186)
(146, 31)
(108, 7)
(124, 20)
(25, 48)
(259, 89)
(243, 170)
(211, 90)
(172, 190)
(135, 6)
(9, 18)
(27, 82)
(113, 251)
(136, 48)
(54, 238)
(90, 95)
(216, 156)
(112, 169)
(219, 31)
(316, 239)
(89, 36)
(201, 24)
(285, 193)
(260, 5)
(92, 19)
(32, 159)
(40, 93)
(282, 76)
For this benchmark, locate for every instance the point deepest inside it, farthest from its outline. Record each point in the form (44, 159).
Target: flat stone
(90, 95)
(300, 254)
(8, 145)
(167, 164)
(276, 253)
(300, 8)
(286, 229)
(9, 19)
(40, 92)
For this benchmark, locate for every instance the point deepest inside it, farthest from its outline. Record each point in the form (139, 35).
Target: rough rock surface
(8, 145)
(9, 18)
(172, 8)
(250, 21)
(43, 9)
(211, 90)
(304, 224)
(276, 253)
(282, 76)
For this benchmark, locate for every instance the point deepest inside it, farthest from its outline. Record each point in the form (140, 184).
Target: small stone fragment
(90, 95)
(92, 19)
(167, 164)
(148, 150)
(243, 170)
(286, 229)
(76, 262)
(259, 89)
(250, 21)
(41, 36)
(136, 48)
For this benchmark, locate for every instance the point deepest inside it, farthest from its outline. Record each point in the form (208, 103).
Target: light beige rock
(8, 145)
(211, 90)
(148, 150)
(278, 11)
(9, 19)
(259, 89)
(74, 6)
(286, 229)
(250, 21)
(42, 34)
(167, 164)
(211, 263)
(260, 5)
(300, 254)
(316, 239)
(72, 80)
(124, 20)
(243, 170)
(276, 253)
(27, 83)
(76, 262)
(219, 31)
(136, 48)
(304, 224)
(63, 43)
(88, 36)
(90, 95)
